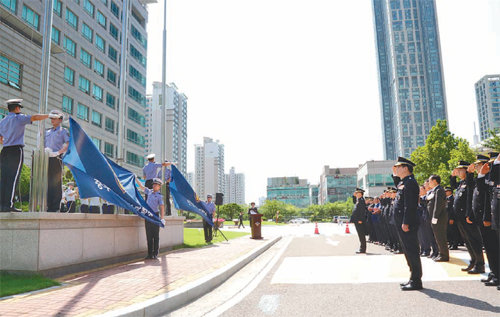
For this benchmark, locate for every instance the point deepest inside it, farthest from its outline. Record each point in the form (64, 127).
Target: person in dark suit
(452, 231)
(240, 220)
(358, 217)
(405, 214)
(493, 181)
(436, 206)
(470, 233)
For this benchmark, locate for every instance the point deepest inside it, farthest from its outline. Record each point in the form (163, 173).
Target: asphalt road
(319, 275)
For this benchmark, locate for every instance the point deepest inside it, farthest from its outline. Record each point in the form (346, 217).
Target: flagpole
(39, 179)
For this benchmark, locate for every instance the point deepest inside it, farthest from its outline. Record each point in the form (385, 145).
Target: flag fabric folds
(97, 176)
(185, 198)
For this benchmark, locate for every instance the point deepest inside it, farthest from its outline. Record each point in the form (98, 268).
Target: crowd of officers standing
(429, 220)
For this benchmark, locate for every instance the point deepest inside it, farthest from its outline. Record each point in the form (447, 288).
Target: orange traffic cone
(347, 228)
(316, 231)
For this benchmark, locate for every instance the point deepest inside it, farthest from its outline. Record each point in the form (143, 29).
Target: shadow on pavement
(461, 300)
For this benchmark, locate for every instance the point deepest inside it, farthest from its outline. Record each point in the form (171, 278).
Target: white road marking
(331, 242)
(268, 304)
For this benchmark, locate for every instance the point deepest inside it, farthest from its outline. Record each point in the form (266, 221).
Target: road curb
(168, 302)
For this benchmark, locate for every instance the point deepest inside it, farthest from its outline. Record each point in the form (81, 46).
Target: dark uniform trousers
(94, 210)
(490, 239)
(54, 190)
(207, 229)
(473, 240)
(84, 209)
(148, 184)
(411, 250)
(11, 162)
(167, 200)
(153, 238)
(439, 230)
(360, 229)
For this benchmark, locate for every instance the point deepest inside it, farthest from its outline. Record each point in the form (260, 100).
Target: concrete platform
(55, 244)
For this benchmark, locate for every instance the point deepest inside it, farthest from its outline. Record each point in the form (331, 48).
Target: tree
(439, 155)
(24, 182)
(230, 211)
(493, 142)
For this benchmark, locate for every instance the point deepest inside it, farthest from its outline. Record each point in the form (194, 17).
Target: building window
(100, 43)
(87, 32)
(84, 84)
(139, 37)
(70, 46)
(56, 35)
(82, 112)
(137, 16)
(136, 138)
(69, 76)
(31, 17)
(96, 118)
(135, 159)
(85, 58)
(99, 67)
(110, 100)
(10, 72)
(109, 149)
(97, 142)
(137, 55)
(88, 7)
(105, 2)
(10, 4)
(136, 117)
(67, 104)
(113, 30)
(137, 75)
(112, 53)
(57, 7)
(97, 92)
(72, 19)
(137, 96)
(111, 76)
(110, 125)
(115, 9)
(101, 19)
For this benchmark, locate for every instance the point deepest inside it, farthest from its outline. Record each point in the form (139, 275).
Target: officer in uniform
(151, 171)
(168, 176)
(470, 233)
(358, 217)
(155, 201)
(494, 192)
(70, 197)
(207, 229)
(56, 143)
(12, 155)
(452, 231)
(405, 214)
(436, 206)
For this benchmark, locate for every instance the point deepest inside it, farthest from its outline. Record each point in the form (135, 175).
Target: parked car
(299, 220)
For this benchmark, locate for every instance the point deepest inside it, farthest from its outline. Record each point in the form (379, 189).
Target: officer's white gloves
(434, 221)
(54, 116)
(50, 152)
(163, 221)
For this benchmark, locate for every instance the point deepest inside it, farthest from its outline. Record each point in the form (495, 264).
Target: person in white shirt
(95, 205)
(70, 197)
(84, 205)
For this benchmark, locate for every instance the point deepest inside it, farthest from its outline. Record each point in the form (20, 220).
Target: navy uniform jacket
(449, 207)
(406, 202)
(460, 202)
(359, 211)
(476, 198)
(436, 203)
(493, 196)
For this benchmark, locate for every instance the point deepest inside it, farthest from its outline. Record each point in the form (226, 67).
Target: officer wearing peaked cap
(56, 144)
(359, 218)
(405, 215)
(12, 155)
(151, 171)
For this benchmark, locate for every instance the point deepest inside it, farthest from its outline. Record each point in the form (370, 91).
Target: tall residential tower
(488, 105)
(411, 80)
(209, 175)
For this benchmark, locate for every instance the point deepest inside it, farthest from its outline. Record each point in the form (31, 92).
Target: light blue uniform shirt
(150, 171)
(155, 199)
(12, 128)
(168, 173)
(55, 138)
(211, 207)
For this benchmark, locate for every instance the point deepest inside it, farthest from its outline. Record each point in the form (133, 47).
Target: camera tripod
(216, 227)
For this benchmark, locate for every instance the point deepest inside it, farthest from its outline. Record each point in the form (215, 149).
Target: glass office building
(411, 82)
(336, 184)
(290, 190)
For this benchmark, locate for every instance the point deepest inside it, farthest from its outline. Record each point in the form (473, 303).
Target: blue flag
(185, 198)
(97, 176)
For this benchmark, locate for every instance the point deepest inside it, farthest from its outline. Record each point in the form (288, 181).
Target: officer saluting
(12, 155)
(359, 218)
(56, 143)
(405, 215)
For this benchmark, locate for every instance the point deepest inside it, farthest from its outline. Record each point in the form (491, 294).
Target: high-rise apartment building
(411, 79)
(209, 168)
(84, 68)
(235, 188)
(336, 184)
(488, 104)
(176, 125)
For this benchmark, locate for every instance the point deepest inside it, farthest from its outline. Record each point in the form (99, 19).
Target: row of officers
(429, 220)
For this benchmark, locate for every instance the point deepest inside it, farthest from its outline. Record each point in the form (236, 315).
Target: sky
(289, 86)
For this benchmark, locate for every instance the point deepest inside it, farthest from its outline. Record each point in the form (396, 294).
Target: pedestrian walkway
(119, 286)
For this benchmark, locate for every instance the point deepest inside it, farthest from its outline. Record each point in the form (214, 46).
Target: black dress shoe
(359, 252)
(412, 286)
(493, 282)
(498, 288)
(454, 247)
(466, 269)
(490, 276)
(477, 270)
(405, 283)
(433, 255)
(424, 254)
(15, 210)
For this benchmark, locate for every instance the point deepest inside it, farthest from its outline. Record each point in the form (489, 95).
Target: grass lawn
(11, 284)
(194, 237)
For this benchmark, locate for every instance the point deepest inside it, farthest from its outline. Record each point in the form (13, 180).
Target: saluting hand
(452, 221)
(471, 168)
(487, 223)
(468, 220)
(485, 169)
(405, 228)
